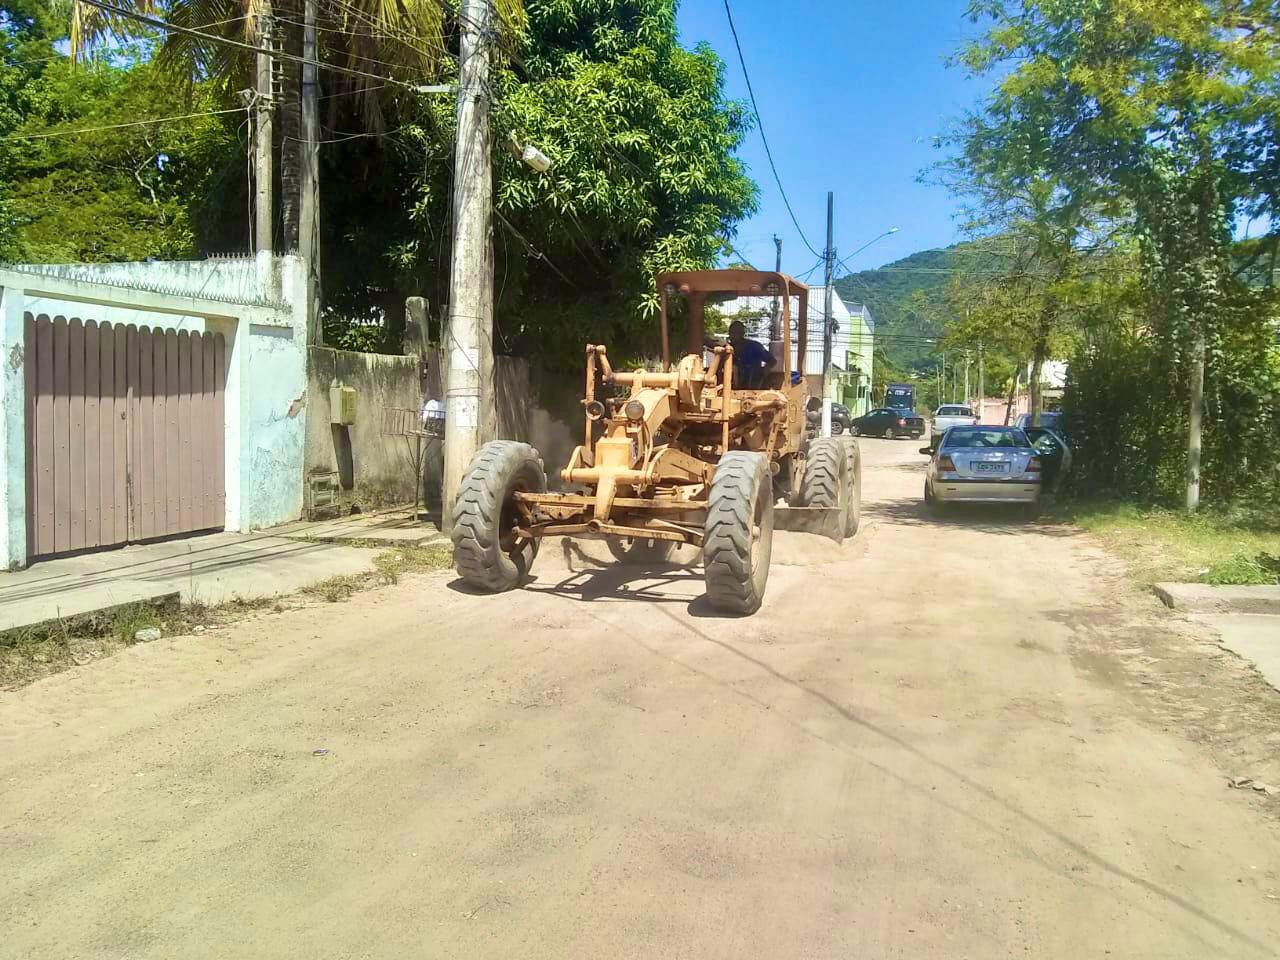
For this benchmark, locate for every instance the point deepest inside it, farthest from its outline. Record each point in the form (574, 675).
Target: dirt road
(967, 739)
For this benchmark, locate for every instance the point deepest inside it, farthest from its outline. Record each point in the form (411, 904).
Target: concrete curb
(1205, 598)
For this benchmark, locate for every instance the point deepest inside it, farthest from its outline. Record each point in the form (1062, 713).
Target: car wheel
(935, 506)
(854, 431)
(837, 428)
(890, 434)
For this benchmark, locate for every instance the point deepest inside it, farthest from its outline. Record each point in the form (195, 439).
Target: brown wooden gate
(124, 433)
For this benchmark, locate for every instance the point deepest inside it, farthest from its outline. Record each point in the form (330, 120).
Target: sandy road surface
(941, 741)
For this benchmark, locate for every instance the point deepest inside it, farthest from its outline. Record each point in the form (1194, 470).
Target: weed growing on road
(389, 567)
(1236, 547)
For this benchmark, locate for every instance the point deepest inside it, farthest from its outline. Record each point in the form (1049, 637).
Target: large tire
(853, 510)
(486, 553)
(826, 475)
(640, 551)
(738, 536)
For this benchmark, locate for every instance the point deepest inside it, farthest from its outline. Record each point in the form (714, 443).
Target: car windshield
(960, 437)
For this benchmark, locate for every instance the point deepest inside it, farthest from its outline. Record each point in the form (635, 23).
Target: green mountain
(905, 298)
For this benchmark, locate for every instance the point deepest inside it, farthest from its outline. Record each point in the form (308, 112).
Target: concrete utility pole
(982, 389)
(966, 376)
(826, 296)
(774, 333)
(469, 401)
(1196, 417)
(262, 174)
(309, 219)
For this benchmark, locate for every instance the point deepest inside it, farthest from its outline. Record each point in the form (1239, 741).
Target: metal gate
(124, 433)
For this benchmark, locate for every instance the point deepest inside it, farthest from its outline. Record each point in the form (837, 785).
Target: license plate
(990, 467)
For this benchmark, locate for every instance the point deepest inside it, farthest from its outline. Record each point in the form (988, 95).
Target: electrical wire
(117, 126)
(226, 41)
(755, 109)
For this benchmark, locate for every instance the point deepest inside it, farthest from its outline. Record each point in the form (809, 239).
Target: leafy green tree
(82, 177)
(1158, 119)
(644, 179)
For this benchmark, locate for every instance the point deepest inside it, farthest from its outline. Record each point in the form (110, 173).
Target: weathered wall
(523, 416)
(259, 307)
(544, 411)
(373, 466)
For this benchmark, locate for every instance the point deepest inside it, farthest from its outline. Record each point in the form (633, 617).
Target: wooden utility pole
(262, 173)
(826, 295)
(1196, 417)
(469, 403)
(309, 219)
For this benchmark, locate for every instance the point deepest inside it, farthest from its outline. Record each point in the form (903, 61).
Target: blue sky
(850, 105)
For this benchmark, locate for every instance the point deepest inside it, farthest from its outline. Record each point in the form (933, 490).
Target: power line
(755, 109)
(226, 41)
(118, 126)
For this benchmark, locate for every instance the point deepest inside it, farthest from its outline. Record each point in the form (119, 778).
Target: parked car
(1048, 418)
(840, 416)
(1054, 448)
(984, 464)
(889, 423)
(950, 415)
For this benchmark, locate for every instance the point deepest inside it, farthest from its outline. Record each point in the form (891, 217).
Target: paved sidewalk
(209, 569)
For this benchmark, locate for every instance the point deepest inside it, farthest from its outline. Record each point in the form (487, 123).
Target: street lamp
(889, 232)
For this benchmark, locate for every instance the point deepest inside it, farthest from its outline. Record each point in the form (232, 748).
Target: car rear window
(954, 412)
(979, 437)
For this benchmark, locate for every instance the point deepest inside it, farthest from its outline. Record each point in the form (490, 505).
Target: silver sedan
(983, 464)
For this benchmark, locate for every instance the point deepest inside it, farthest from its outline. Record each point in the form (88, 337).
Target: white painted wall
(263, 321)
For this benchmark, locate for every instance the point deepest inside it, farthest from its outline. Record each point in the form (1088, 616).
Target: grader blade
(826, 522)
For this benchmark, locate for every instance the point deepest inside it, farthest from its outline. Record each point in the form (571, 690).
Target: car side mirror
(927, 450)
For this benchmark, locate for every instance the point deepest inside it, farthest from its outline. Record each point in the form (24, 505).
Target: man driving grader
(677, 455)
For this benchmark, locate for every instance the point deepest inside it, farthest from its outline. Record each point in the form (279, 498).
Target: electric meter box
(342, 404)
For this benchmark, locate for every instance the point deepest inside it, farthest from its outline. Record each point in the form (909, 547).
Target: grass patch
(1238, 546)
(29, 653)
(389, 567)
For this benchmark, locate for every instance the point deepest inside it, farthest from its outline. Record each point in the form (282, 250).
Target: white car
(953, 415)
(983, 465)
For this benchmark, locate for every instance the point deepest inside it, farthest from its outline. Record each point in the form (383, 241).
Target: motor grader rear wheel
(738, 535)
(826, 475)
(486, 551)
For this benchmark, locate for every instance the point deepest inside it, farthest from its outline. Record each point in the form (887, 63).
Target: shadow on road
(1006, 520)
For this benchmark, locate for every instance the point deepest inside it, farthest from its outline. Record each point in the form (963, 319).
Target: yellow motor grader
(694, 453)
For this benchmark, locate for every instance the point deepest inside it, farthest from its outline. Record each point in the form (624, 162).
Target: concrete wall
(373, 466)
(261, 316)
(523, 416)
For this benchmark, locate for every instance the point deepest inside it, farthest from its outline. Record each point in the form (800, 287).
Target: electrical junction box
(342, 404)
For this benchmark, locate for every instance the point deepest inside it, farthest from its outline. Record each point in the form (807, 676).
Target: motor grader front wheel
(853, 506)
(487, 553)
(738, 535)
